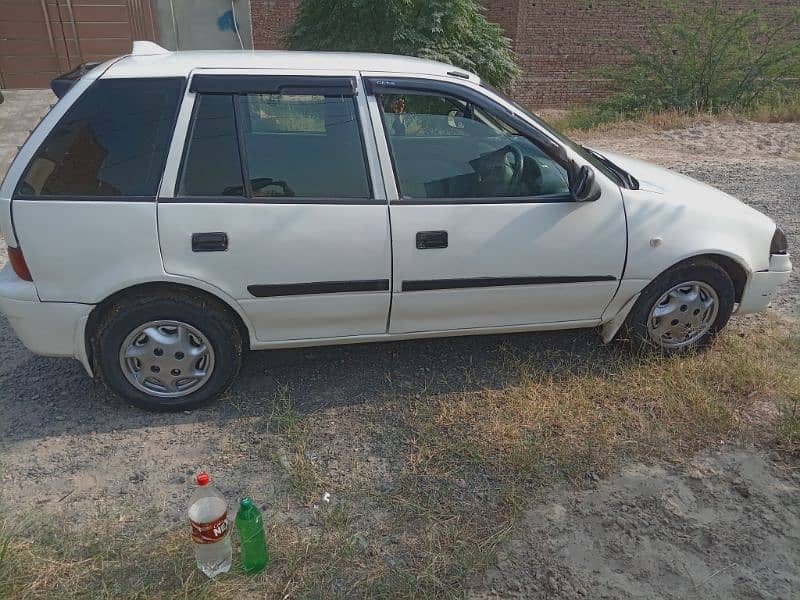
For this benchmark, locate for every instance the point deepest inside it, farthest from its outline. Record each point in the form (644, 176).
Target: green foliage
(451, 31)
(705, 57)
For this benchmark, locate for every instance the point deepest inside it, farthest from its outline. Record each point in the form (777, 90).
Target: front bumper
(46, 328)
(762, 285)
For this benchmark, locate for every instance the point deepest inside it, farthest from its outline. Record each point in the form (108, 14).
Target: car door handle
(431, 239)
(215, 241)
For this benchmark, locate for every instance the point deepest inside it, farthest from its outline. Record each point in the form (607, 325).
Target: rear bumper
(46, 328)
(762, 285)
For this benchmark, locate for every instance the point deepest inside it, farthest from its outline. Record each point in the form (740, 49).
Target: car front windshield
(587, 155)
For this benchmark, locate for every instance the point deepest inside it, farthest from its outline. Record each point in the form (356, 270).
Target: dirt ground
(724, 524)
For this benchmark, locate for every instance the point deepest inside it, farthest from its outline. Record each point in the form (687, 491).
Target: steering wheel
(519, 163)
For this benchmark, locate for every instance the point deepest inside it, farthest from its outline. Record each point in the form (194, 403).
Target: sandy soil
(723, 525)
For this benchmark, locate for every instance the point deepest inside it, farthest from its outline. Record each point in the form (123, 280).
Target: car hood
(680, 188)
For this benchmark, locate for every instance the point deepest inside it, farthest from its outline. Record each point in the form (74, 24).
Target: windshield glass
(594, 160)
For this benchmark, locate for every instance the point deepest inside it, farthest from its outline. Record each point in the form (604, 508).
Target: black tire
(205, 314)
(701, 270)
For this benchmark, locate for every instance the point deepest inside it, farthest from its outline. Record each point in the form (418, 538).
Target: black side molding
(64, 82)
(482, 282)
(318, 287)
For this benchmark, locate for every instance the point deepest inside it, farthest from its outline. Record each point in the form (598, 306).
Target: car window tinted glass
(583, 152)
(447, 148)
(303, 146)
(112, 142)
(211, 165)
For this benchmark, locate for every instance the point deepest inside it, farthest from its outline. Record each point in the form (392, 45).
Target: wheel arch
(732, 266)
(735, 270)
(738, 273)
(160, 287)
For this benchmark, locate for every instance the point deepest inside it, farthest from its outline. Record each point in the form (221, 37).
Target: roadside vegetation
(595, 119)
(451, 31)
(704, 61)
(438, 477)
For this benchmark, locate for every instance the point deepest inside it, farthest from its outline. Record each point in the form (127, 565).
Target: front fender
(664, 230)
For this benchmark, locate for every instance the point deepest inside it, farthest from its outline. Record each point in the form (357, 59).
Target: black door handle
(431, 239)
(215, 241)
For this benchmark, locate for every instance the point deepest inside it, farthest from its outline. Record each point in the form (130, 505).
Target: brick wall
(557, 41)
(271, 19)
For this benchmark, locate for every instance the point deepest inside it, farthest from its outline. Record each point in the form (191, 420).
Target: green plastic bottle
(250, 526)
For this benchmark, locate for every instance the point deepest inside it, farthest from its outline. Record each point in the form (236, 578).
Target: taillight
(18, 263)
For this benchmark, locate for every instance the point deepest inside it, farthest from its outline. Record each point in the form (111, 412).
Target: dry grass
(460, 468)
(595, 120)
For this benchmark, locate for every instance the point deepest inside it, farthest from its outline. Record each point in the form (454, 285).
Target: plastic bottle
(208, 515)
(250, 525)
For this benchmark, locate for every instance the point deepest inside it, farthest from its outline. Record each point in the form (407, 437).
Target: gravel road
(69, 444)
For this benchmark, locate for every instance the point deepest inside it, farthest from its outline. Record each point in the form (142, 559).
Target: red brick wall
(271, 19)
(557, 41)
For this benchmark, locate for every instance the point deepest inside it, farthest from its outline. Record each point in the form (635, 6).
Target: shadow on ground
(42, 397)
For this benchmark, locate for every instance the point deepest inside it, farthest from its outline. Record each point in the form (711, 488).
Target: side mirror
(583, 186)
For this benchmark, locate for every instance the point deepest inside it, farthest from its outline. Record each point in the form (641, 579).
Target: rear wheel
(683, 308)
(168, 353)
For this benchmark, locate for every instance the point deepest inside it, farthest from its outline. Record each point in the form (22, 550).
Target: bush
(707, 58)
(451, 31)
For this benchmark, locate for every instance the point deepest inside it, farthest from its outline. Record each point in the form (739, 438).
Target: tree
(452, 31)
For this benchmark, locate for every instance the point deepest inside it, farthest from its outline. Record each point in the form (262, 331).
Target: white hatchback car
(174, 209)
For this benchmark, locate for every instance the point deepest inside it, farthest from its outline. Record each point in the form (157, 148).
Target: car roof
(150, 60)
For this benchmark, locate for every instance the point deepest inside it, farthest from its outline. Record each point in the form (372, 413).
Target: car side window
(275, 145)
(112, 141)
(444, 147)
(305, 146)
(212, 166)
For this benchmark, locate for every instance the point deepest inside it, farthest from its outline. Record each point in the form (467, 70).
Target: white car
(175, 209)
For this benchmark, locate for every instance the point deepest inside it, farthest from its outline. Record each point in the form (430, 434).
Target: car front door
(485, 232)
(270, 198)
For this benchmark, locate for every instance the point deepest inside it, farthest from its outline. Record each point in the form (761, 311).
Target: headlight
(779, 244)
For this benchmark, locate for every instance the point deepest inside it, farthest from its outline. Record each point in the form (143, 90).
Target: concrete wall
(202, 25)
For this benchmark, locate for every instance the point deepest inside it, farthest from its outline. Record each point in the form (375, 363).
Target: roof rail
(145, 48)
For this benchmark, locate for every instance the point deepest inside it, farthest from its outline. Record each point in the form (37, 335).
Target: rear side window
(304, 146)
(212, 166)
(293, 144)
(112, 142)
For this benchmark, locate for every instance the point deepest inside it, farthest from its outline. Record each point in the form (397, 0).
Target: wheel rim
(683, 315)
(167, 359)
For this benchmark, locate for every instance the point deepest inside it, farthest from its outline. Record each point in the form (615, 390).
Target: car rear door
(269, 196)
(485, 231)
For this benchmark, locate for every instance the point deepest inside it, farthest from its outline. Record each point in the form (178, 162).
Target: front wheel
(683, 308)
(162, 352)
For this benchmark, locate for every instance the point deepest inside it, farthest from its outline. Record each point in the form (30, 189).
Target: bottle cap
(246, 502)
(203, 478)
